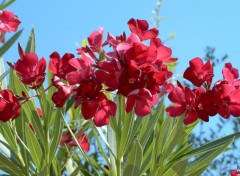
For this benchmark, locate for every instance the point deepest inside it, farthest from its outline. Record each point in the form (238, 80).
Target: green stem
(24, 169)
(118, 165)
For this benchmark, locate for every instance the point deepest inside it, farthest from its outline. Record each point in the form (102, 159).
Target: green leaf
(34, 147)
(211, 146)
(126, 132)
(152, 123)
(57, 133)
(31, 44)
(111, 139)
(3, 73)
(9, 167)
(56, 166)
(9, 43)
(134, 161)
(29, 107)
(20, 127)
(202, 162)
(5, 5)
(9, 136)
(178, 169)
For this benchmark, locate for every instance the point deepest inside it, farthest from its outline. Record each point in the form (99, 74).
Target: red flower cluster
(68, 140)
(201, 102)
(132, 68)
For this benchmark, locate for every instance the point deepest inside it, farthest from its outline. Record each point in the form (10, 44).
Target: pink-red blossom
(31, 70)
(8, 22)
(198, 73)
(9, 105)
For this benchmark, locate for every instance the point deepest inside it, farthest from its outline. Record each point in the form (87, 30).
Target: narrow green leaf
(9, 167)
(3, 74)
(152, 123)
(57, 133)
(104, 139)
(134, 160)
(9, 43)
(111, 139)
(56, 166)
(34, 146)
(178, 169)
(211, 146)
(31, 44)
(9, 136)
(126, 133)
(202, 162)
(5, 5)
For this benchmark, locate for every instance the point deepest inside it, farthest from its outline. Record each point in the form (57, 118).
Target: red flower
(9, 105)
(109, 73)
(183, 98)
(235, 173)
(141, 100)
(69, 141)
(31, 70)
(8, 22)
(227, 99)
(100, 109)
(198, 73)
(230, 73)
(60, 66)
(140, 27)
(95, 40)
(64, 91)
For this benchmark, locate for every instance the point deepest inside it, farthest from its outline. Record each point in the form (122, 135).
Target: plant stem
(24, 169)
(118, 165)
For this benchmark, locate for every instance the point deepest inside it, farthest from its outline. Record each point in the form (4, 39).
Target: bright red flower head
(60, 66)
(8, 22)
(198, 73)
(230, 73)
(100, 109)
(95, 40)
(140, 27)
(69, 141)
(64, 91)
(9, 105)
(141, 100)
(227, 100)
(31, 70)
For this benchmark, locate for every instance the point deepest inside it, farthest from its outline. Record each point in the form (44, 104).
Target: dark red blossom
(198, 73)
(68, 140)
(227, 100)
(109, 73)
(9, 105)
(230, 74)
(31, 70)
(64, 91)
(141, 100)
(140, 27)
(60, 66)
(8, 22)
(194, 103)
(95, 40)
